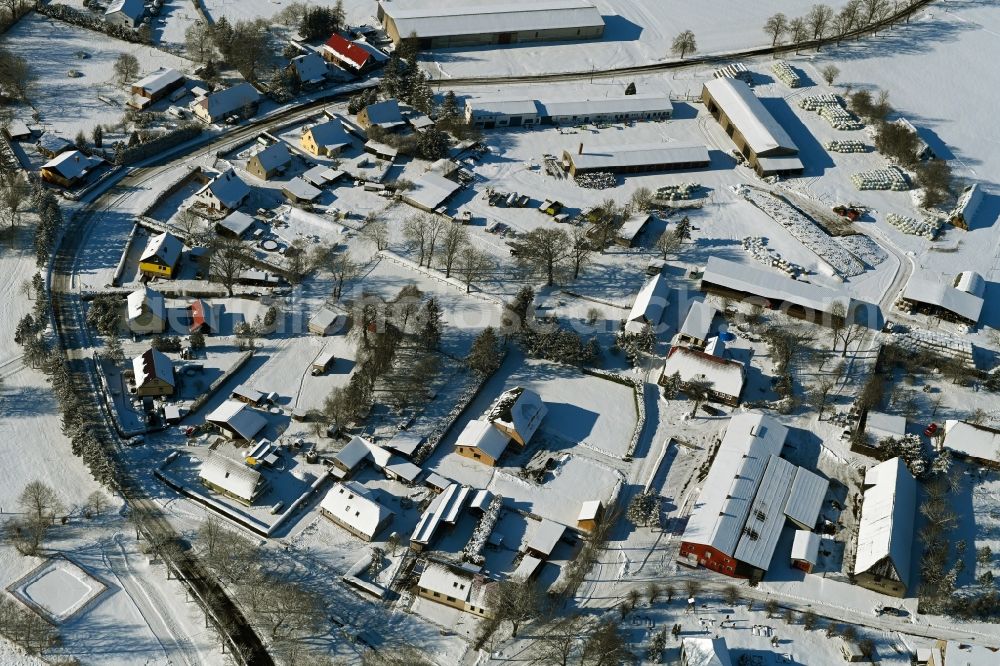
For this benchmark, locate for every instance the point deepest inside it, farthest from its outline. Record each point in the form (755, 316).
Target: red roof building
(204, 317)
(347, 55)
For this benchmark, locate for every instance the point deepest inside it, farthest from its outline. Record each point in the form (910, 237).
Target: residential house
(325, 139)
(146, 311)
(384, 115)
(232, 479)
(351, 457)
(725, 377)
(649, 305)
(125, 13)
(349, 55)
(70, 168)
(453, 587)
(235, 225)
(225, 193)
(518, 412)
(298, 191)
(161, 256)
(155, 86)
(237, 420)
(241, 99)
(310, 69)
(703, 651)
(153, 374)
(885, 531)
(352, 507)
(430, 191)
(480, 441)
(270, 161)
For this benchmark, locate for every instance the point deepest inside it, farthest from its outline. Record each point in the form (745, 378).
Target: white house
(352, 507)
(226, 192)
(232, 478)
(649, 305)
(146, 311)
(885, 531)
(237, 419)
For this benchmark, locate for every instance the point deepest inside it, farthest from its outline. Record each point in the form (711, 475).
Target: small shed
(297, 190)
(328, 320)
(590, 514)
(544, 540)
(805, 550)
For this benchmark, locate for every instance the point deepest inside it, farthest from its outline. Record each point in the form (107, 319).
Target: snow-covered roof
(224, 102)
(131, 8)
(315, 175)
(247, 394)
(385, 114)
(228, 188)
(698, 321)
(309, 67)
(725, 375)
(347, 51)
(351, 504)
(639, 155)
(18, 129)
(405, 442)
(772, 285)
(526, 569)
(759, 128)
(53, 143)
(72, 164)
(239, 418)
(767, 514)
(402, 469)
(482, 435)
(237, 223)
(633, 226)
(966, 654)
(546, 536)
(649, 305)
(274, 156)
(151, 365)
(972, 441)
(330, 135)
(721, 509)
(231, 475)
(300, 189)
(165, 247)
(446, 505)
(922, 289)
(805, 499)
(626, 104)
(805, 546)
(589, 510)
(886, 425)
(430, 191)
(380, 457)
(446, 581)
(144, 300)
(326, 317)
(481, 499)
(502, 106)
(444, 18)
(159, 80)
(521, 410)
(381, 149)
(887, 515)
(971, 282)
(706, 652)
(353, 454)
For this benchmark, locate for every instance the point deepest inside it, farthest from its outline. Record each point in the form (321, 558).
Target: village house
(270, 162)
(758, 136)
(885, 531)
(146, 311)
(153, 374)
(310, 69)
(480, 441)
(155, 86)
(51, 144)
(450, 23)
(453, 587)
(232, 479)
(384, 115)
(430, 191)
(237, 420)
(70, 168)
(298, 191)
(518, 412)
(694, 332)
(235, 225)
(204, 317)
(703, 651)
(125, 13)
(326, 139)
(350, 56)
(161, 256)
(351, 507)
(225, 193)
(351, 457)
(650, 302)
(747, 498)
(329, 320)
(242, 99)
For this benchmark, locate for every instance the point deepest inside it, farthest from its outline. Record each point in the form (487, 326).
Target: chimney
(580, 152)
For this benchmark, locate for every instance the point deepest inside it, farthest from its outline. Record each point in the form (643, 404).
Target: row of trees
(432, 238)
(822, 22)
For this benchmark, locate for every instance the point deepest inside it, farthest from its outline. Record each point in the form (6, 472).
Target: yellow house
(482, 442)
(328, 138)
(161, 256)
(154, 374)
(458, 589)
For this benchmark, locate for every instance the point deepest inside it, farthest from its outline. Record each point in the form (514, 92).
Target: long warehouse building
(489, 113)
(759, 137)
(450, 23)
(637, 159)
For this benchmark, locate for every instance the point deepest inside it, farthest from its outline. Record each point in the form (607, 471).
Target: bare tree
(417, 231)
(821, 395)
(189, 223)
(580, 251)
(229, 260)
(454, 239)
(798, 30)
(515, 602)
(818, 19)
(558, 642)
(39, 502)
(641, 200)
(343, 268)
(731, 594)
(13, 193)
(775, 27)
(683, 44)
(97, 502)
(377, 231)
(830, 74)
(668, 243)
(126, 68)
(473, 266)
(605, 646)
(198, 42)
(435, 227)
(543, 250)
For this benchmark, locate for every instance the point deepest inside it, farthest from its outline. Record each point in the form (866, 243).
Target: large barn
(673, 156)
(885, 532)
(448, 23)
(758, 136)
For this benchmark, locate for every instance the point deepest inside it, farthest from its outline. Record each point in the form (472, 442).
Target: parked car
(931, 430)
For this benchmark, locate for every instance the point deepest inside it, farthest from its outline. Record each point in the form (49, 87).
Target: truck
(323, 362)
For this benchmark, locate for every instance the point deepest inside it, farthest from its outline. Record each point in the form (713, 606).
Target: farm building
(241, 99)
(805, 550)
(153, 374)
(705, 652)
(591, 513)
(51, 144)
(628, 234)
(430, 191)
(237, 420)
(146, 311)
(70, 168)
(777, 292)
(126, 13)
(962, 302)
(697, 325)
(270, 161)
(350, 458)
(161, 256)
(298, 191)
(545, 539)
(445, 509)
(155, 86)
(248, 395)
(726, 377)
(204, 317)
(758, 136)
(642, 158)
(489, 113)
(517, 413)
(329, 320)
(385, 115)
(973, 442)
(405, 443)
(479, 440)
(351, 56)
(309, 68)
(747, 498)
(232, 478)
(327, 138)
(225, 192)
(453, 587)
(234, 225)
(649, 305)
(449, 23)
(352, 507)
(966, 207)
(885, 531)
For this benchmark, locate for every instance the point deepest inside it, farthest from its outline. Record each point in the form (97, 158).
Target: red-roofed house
(347, 55)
